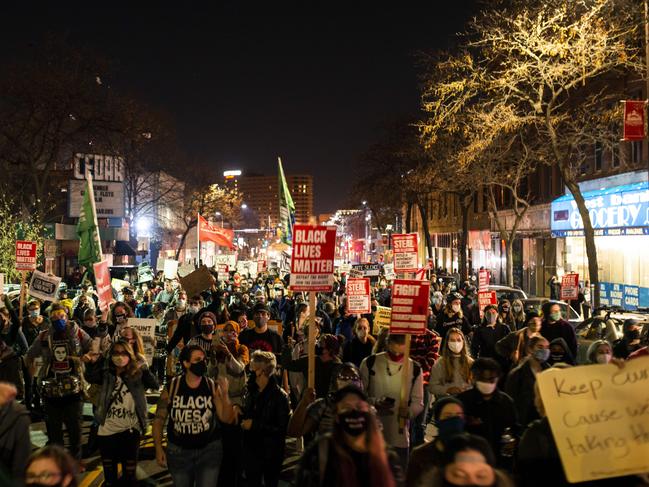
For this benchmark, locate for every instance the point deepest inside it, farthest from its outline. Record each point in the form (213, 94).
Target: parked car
(568, 313)
(506, 292)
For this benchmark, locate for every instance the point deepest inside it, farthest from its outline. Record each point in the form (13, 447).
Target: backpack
(370, 369)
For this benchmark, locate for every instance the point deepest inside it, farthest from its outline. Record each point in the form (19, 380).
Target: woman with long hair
(121, 410)
(451, 374)
(518, 311)
(51, 465)
(134, 339)
(355, 452)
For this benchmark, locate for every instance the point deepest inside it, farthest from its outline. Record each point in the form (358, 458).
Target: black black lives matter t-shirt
(192, 416)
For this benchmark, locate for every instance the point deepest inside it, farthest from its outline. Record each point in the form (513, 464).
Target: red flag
(210, 233)
(634, 120)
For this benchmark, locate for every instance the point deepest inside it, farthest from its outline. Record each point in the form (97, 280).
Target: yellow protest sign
(381, 319)
(599, 415)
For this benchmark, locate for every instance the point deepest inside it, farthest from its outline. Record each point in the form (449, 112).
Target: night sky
(244, 85)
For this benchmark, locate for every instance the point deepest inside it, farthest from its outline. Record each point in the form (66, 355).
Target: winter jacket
(437, 384)
(513, 346)
(560, 329)
(318, 466)
(423, 459)
(568, 358)
(269, 411)
(15, 445)
(483, 343)
(355, 350)
(520, 387)
(103, 374)
(447, 319)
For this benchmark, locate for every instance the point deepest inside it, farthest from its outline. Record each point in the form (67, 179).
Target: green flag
(286, 208)
(89, 243)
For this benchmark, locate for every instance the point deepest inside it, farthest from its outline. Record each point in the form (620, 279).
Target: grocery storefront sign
(619, 210)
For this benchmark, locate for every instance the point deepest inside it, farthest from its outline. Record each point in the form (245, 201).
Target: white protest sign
(358, 296)
(228, 259)
(146, 329)
(185, 270)
(356, 274)
(43, 286)
(245, 267)
(388, 269)
(345, 267)
(599, 416)
(171, 269)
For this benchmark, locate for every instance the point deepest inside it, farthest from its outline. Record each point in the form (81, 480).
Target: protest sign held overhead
(358, 296)
(599, 418)
(409, 306)
(25, 255)
(43, 286)
(368, 270)
(388, 269)
(405, 252)
(102, 279)
(171, 269)
(312, 261)
(483, 279)
(381, 319)
(198, 281)
(570, 287)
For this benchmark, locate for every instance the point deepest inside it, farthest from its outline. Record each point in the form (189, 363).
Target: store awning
(618, 210)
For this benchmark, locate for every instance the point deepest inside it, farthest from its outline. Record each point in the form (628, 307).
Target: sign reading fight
(405, 247)
(358, 296)
(599, 418)
(409, 306)
(570, 287)
(25, 255)
(102, 278)
(312, 262)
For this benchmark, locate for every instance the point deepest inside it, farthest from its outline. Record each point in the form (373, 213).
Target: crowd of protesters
(231, 371)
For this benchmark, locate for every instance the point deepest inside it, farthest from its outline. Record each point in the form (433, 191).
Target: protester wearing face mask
(382, 376)
(520, 381)
(354, 453)
(513, 348)
(61, 347)
(518, 313)
(13, 346)
(264, 419)
(467, 461)
(599, 352)
(554, 326)
(188, 325)
(174, 313)
(488, 410)
(34, 322)
(485, 337)
(51, 466)
(559, 353)
(451, 374)
(437, 302)
(505, 313)
(448, 417)
(195, 406)
(121, 410)
(360, 346)
(118, 317)
(452, 317)
(135, 340)
(630, 341)
(206, 325)
(261, 337)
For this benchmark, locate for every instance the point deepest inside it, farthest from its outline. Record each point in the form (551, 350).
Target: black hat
(260, 307)
(350, 389)
(453, 297)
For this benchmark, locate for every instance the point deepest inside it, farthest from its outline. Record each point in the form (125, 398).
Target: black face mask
(353, 422)
(199, 368)
(207, 329)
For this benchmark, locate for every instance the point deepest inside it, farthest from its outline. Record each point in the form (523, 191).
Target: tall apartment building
(260, 194)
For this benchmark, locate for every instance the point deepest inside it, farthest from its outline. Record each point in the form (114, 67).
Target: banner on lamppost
(634, 120)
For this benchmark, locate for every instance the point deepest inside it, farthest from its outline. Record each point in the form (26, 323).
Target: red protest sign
(102, 279)
(485, 298)
(312, 262)
(25, 255)
(405, 252)
(409, 306)
(634, 120)
(483, 279)
(570, 287)
(358, 296)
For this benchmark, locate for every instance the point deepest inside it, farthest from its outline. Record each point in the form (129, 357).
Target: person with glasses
(51, 465)
(121, 409)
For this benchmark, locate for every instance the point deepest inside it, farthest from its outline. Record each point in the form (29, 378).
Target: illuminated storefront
(620, 217)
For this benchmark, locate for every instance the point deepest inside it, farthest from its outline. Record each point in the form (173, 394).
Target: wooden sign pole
(23, 278)
(405, 386)
(312, 334)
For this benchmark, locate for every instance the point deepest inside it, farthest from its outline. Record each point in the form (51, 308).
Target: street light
(244, 206)
(218, 213)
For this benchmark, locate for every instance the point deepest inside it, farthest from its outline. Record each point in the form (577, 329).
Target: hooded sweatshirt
(567, 357)
(15, 445)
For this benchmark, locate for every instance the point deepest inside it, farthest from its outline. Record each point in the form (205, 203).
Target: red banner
(312, 262)
(25, 255)
(358, 296)
(570, 287)
(409, 306)
(634, 120)
(405, 252)
(210, 233)
(102, 280)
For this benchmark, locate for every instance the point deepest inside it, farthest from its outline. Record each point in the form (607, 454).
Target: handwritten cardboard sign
(196, 282)
(146, 329)
(599, 415)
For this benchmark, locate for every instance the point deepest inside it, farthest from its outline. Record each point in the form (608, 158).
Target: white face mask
(517, 309)
(486, 388)
(603, 358)
(455, 308)
(455, 347)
